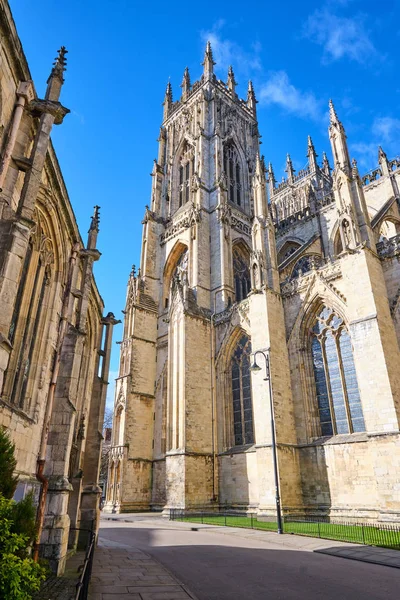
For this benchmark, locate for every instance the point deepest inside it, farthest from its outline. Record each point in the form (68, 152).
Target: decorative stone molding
(327, 273)
(191, 216)
(389, 248)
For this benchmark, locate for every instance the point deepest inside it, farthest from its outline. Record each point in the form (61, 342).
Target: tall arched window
(241, 393)
(233, 174)
(186, 170)
(338, 398)
(241, 275)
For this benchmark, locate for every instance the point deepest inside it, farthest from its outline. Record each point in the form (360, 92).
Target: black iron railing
(372, 534)
(82, 587)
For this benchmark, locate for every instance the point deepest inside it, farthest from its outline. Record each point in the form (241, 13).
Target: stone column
(91, 491)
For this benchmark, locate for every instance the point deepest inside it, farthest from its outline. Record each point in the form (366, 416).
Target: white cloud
(227, 53)
(340, 36)
(278, 90)
(386, 129)
(386, 133)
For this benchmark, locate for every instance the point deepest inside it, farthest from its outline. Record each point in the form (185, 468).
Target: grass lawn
(367, 534)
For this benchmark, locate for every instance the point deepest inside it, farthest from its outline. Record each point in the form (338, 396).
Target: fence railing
(82, 587)
(372, 534)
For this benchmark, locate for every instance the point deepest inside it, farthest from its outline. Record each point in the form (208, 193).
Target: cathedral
(55, 342)
(232, 263)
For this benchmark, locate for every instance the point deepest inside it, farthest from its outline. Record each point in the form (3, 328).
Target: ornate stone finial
(94, 224)
(325, 164)
(185, 85)
(383, 161)
(333, 118)
(311, 154)
(133, 271)
(251, 98)
(168, 92)
(259, 168)
(310, 146)
(208, 62)
(381, 154)
(231, 83)
(289, 168)
(59, 65)
(354, 168)
(167, 99)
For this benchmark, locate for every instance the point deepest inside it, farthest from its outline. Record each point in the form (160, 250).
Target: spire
(185, 85)
(354, 168)
(56, 77)
(231, 83)
(251, 98)
(94, 229)
(271, 180)
(338, 140)
(333, 118)
(162, 140)
(383, 162)
(289, 169)
(259, 171)
(311, 154)
(208, 63)
(260, 198)
(325, 165)
(167, 100)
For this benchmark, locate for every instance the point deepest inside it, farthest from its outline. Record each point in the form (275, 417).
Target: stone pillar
(91, 492)
(268, 332)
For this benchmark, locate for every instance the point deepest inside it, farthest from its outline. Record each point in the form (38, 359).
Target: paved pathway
(122, 573)
(218, 563)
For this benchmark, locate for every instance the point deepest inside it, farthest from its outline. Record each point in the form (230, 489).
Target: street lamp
(255, 367)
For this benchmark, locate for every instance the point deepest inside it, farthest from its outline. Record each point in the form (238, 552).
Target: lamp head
(255, 367)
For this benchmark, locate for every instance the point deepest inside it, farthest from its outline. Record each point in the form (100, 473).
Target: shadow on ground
(224, 567)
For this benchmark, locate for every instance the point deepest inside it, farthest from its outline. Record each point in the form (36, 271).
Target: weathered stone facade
(312, 276)
(53, 361)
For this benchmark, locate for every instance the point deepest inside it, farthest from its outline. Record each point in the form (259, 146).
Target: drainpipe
(50, 400)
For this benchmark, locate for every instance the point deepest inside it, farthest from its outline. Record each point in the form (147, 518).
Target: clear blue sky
(121, 53)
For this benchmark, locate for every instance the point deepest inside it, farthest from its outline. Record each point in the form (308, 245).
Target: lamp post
(255, 367)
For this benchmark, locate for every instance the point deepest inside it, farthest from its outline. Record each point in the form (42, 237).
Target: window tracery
(233, 174)
(186, 170)
(241, 275)
(338, 397)
(241, 393)
(305, 264)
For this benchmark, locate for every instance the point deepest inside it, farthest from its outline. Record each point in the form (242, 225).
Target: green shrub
(20, 576)
(8, 481)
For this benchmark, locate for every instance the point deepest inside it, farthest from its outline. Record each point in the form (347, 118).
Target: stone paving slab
(127, 574)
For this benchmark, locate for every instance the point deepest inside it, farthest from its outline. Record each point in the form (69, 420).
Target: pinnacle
(94, 225)
(60, 63)
(332, 113)
(208, 56)
(168, 91)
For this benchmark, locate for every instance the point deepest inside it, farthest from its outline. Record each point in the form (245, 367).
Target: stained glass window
(338, 397)
(241, 393)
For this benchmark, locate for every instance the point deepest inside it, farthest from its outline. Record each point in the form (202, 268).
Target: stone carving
(183, 221)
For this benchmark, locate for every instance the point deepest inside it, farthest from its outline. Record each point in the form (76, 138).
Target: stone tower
(188, 308)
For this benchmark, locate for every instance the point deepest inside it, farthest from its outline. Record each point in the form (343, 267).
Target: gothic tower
(205, 294)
